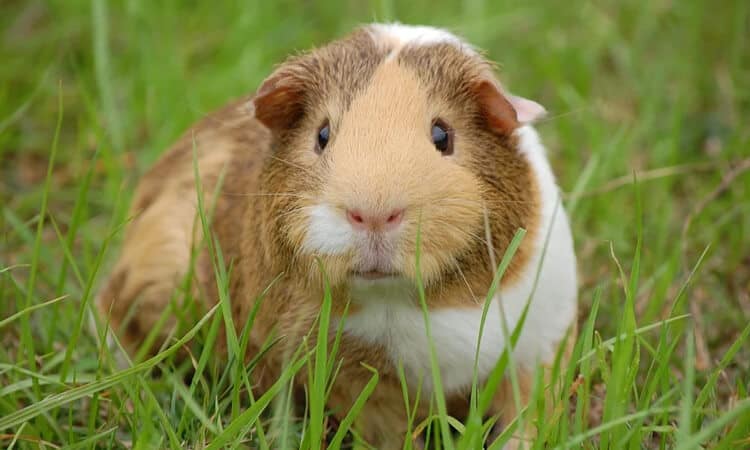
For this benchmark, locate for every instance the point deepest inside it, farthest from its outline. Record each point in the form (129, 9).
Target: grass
(648, 134)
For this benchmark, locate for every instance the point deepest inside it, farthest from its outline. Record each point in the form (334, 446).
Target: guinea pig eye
(323, 134)
(442, 137)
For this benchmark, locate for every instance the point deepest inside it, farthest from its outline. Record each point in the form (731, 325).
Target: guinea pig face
(385, 148)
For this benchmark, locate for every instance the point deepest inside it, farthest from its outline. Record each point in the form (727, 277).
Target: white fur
(390, 316)
(394, 320)
(554, 304)
(328, 232)
(417, 35)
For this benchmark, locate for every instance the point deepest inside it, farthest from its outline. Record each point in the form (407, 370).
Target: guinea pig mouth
(374, 261)
(374, 274)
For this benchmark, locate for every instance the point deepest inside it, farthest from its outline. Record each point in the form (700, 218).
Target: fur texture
(390, 318)
(283, 205)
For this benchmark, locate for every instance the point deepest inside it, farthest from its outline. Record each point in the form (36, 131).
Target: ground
(649, 107)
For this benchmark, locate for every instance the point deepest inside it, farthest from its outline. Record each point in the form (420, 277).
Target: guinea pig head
(394, 153)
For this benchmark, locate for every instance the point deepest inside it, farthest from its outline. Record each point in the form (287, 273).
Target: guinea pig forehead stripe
(445, 69)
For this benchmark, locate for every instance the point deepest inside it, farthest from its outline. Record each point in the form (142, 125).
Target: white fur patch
(418, 35)
(555, 293)
(393, 320)
(328, 232)
(390, 317)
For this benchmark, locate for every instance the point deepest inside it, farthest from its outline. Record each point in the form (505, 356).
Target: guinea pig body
(389, 158)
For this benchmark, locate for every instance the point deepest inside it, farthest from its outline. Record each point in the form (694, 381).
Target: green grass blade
(251, 415)
(438, 392)
(52, 401)
(359, 403)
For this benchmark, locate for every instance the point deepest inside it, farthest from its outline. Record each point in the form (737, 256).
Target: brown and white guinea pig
(343, 156)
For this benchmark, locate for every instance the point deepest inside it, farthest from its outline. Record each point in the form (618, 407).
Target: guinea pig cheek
(450, 222)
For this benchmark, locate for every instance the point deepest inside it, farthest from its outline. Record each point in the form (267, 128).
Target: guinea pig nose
(376, 221)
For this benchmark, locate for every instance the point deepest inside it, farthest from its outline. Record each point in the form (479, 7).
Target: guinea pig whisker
(485, 202)
(307, 170)
(290, 212)
(454, 201)
(550, 118)
(461, 231)
(266, 194)
(510, 202)
(463, 277)
(472, 238)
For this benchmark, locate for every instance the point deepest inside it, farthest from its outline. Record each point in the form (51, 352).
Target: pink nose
(375, 222)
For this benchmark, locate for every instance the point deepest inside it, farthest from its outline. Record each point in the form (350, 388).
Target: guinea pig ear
(278, 102)
(527, 111)
(505, 112)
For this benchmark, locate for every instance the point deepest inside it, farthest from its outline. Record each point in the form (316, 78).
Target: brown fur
(380, 154)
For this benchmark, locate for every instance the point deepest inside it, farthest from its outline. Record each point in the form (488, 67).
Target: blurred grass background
(657, 91)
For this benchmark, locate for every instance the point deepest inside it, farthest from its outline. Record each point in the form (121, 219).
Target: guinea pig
(350, 164)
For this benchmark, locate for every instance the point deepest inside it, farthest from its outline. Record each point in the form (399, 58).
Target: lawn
(648, 133)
